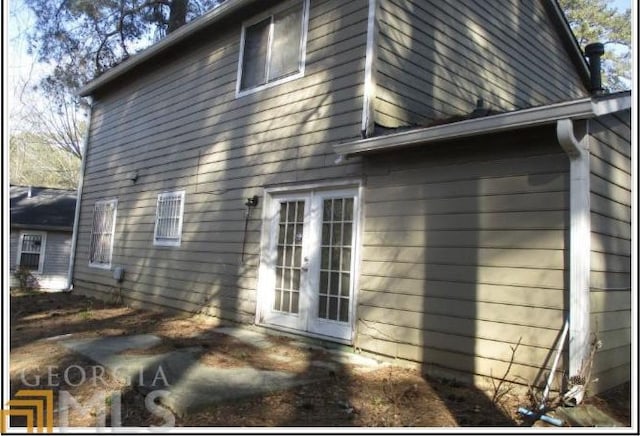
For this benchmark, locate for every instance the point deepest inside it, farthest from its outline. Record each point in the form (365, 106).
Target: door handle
(305, 264)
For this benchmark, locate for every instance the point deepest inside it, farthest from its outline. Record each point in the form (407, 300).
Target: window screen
(273, 48)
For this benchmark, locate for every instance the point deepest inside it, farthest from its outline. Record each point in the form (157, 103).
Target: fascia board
(576, 109)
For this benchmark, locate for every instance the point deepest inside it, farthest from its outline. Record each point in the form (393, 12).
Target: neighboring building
(433, 182)
(41, 229)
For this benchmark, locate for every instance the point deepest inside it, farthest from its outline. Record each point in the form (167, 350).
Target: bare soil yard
(386, 396)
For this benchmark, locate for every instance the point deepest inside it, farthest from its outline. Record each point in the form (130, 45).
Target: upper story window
(31, 251)
(168, 230)
(273, 47)
(102, 232)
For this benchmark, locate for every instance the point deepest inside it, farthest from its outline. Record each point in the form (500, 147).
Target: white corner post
(575, 141)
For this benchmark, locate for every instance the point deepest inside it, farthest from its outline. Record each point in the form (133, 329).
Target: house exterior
(41, 224)
(429, 181)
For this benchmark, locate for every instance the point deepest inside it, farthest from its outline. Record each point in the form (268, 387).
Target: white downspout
(579, 240)
(76, 219)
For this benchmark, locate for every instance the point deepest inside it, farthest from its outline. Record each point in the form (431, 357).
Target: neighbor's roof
(45, 209)
(229, 6)
(580, 109)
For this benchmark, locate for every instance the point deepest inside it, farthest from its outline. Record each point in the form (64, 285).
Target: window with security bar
(102, 233)
(168, 229)
(31, 254)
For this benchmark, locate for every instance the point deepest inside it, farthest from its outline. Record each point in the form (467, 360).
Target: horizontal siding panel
(441, 53)
(477, 186)
(467, 165)
(611, 300)
(546, 279)
(610, 377)
(433, 358)
(498, 221)
(495, 203)
(614, 339)
(467, 256)
(605, 189)
(610, 262)
(464, 344)
(462, 327)
(610, 280)
(609, 320)
(494, 312)
(608, 244)
(523, 239)
(607, 226)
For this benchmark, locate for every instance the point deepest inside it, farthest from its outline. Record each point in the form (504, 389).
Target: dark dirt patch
(388, 396)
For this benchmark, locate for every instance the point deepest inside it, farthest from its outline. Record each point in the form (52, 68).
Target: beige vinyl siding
(56, 258)
(436, 59)
(464, 249)
(180, 126)
(610, 300)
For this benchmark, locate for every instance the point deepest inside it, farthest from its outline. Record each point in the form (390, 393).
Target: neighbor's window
(273, 47)
(168, 229)
(31, 251)
(102, 232)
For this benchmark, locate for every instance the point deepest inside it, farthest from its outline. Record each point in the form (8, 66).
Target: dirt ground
(390, 396)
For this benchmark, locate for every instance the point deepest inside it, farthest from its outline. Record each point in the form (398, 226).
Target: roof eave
(179, 35)
(51, 228)
(576, 109)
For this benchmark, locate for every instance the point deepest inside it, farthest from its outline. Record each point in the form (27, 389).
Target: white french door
(308, 261)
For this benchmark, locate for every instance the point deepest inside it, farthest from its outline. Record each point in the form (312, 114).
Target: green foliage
(85, 38)
(26, 280)
(598, 21)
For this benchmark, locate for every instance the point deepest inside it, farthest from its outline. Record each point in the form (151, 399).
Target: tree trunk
(177, 14)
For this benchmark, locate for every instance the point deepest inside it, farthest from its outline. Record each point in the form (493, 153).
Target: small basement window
(168, 229)
(273, 47)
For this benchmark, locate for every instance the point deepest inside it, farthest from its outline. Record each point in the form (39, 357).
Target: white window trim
(43, 246)
(303, 47)
(113, 233)
(169, 243)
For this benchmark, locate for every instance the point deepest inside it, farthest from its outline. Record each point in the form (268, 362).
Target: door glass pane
(289, 249)
(335, 263)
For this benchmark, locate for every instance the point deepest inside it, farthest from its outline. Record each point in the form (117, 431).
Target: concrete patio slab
(191, 385)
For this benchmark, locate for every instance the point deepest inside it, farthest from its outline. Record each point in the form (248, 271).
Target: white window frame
(43, 244)
(113, 233)
(163, 241)
(303, 46)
